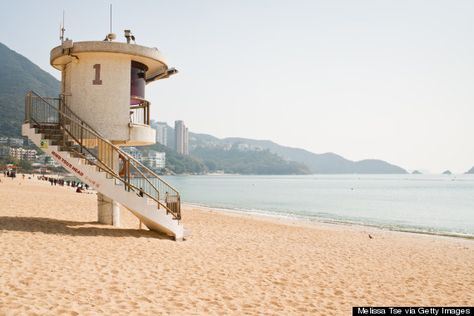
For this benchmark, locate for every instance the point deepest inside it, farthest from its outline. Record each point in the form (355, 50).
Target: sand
(55, 260)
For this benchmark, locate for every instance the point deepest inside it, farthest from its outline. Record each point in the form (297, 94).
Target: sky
(389, 80)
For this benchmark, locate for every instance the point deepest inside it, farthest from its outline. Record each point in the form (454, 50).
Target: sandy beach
(55, 260)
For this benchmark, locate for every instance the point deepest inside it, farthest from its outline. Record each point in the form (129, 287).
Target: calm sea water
(435, 204)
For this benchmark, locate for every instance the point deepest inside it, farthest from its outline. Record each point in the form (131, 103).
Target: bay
(440, 204)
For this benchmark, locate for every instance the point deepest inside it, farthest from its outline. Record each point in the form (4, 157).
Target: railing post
(147, 113)
(178, 208)
(60, 114)
(27, 107)
(82, 136)
(128, 173)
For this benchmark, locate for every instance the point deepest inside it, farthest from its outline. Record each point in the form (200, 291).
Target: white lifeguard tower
(102, 106)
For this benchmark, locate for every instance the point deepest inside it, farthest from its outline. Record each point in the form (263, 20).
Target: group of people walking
(61, 182)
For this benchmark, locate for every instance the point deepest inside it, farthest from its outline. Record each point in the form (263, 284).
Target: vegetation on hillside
(247, 161)
(22, 165)
(177, 163)
(18, 76)
(204, 160)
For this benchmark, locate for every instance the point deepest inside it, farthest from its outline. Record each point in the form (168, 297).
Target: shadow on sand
(61, 227)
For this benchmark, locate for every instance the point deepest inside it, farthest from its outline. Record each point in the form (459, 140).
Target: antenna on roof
(110, 18)
(111, 36)
(61, 30)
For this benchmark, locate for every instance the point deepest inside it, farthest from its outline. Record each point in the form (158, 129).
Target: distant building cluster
(181, 138)
(153, 159)
(156, 160)
(245, 147)
(46, 160)
(20, 153)
(10, 146)
(134, 152)
(14, 142)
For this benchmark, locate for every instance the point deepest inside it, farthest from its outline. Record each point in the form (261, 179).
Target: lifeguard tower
(101, 107)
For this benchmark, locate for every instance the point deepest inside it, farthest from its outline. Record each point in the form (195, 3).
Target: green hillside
(238, 161)
(326, 163)
(18, 75)
(177, 163)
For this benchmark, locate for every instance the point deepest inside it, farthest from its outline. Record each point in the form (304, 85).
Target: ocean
(438, 204)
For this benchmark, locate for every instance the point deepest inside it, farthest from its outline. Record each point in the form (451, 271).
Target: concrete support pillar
(116, 214)
(108, 211)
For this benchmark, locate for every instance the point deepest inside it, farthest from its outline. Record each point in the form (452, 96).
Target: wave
(328, 218)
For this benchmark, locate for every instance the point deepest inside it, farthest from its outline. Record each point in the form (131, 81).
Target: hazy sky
(365, 79)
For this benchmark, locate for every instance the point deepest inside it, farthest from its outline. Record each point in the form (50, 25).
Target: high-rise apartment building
(161, 133)
(186, 141)
(181, 138)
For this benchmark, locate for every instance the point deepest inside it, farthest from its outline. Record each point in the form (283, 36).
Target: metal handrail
(140, 113)
(87, 138)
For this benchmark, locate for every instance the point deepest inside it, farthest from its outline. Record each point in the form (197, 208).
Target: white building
(23, 154)
(132, 151)
(15, 141)
(12, 141)
(156, 160)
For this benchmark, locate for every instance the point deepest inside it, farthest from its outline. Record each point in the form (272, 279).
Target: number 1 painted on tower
(97, 80)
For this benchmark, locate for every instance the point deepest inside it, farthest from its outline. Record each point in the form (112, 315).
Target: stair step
(51, 133)
(62, 143)
(51, 139)
(46, 126)
(75, 155)
(48, 130)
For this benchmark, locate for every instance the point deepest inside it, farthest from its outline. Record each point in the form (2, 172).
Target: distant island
(470, 171)
(447, 172)
(416, 172)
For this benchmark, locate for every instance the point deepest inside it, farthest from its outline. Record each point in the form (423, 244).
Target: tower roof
(151, 57)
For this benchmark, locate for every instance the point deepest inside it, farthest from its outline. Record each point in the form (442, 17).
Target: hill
(18, 75)
(327, 163)
(470, 171)
(244, 161)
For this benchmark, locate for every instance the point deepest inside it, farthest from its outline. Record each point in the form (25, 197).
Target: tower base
(108, 211)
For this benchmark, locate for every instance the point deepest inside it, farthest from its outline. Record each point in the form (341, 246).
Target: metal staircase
(53, 127)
